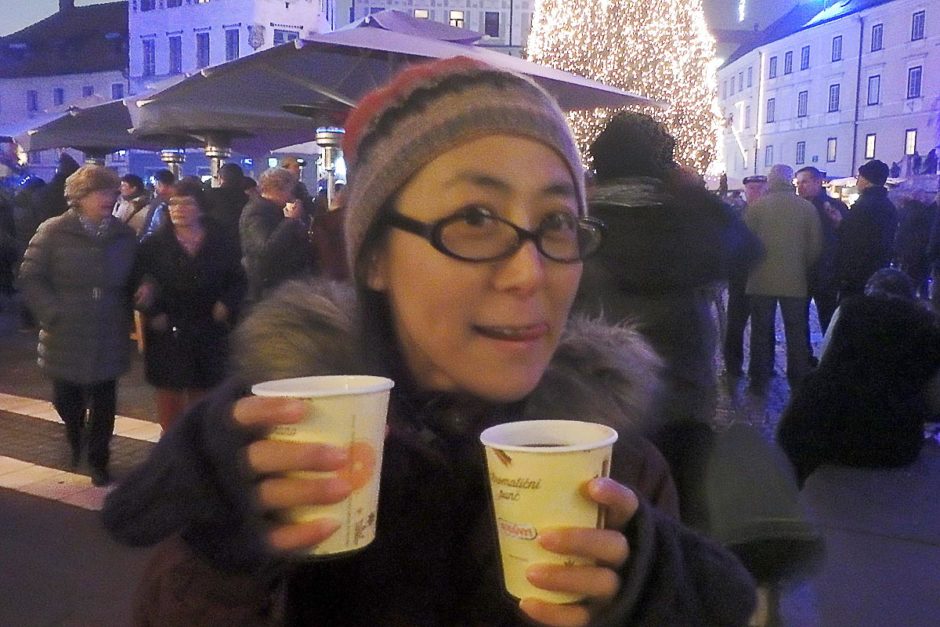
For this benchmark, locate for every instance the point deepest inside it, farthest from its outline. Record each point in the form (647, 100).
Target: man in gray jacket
(790, 231)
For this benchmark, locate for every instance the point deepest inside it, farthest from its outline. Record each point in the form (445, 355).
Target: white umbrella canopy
(328, 73)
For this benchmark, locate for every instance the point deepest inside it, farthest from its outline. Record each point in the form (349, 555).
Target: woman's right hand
(271, 460)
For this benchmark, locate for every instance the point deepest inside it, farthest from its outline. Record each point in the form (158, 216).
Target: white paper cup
(537, 469)
(347, 412)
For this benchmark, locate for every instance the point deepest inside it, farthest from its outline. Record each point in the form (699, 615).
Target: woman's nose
(523, 271)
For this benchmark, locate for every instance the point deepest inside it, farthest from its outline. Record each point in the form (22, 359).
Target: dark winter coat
(865, 405)
(434, 560)
(913, 237)
(192, 352)
(274, 248)
(225, 206)
(664, 250)
(822, 274)
(866, 240)
(78, 287)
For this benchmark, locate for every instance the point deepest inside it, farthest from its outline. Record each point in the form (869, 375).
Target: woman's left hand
(608, 548)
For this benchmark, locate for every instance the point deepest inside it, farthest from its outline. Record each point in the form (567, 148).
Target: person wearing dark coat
(224, 204)
(75, 278)
(866, 237)
(53, 195)
(465, 244)
(866, 403)
(912, 243)
(191, 285)
(273, 234)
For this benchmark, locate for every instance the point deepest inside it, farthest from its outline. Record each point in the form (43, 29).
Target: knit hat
(875, 172)
(429, 109)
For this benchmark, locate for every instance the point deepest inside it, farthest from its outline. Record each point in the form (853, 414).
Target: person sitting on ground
(465, 235)
(866, 403)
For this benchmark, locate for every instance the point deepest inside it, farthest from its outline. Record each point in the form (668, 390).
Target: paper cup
(347, 412)
(537, 470)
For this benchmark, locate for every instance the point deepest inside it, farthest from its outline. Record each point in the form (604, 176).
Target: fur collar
(601, 373)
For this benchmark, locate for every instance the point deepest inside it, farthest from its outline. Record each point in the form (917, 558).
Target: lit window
(874, 89)
(910, 141)
(456, 19)
(491, 23)
(800, 153)
(870, 145)
(176, 54)
(202, 50)
(917, 25)
(837, 48)
(831, 147)
(772, 69)
(834, 98)
(788, 63)
(804, 58)
(58, 96)
(771, 109)
(914, 76)
(877, 37)
(422, 14)
(802, 104)
(231, 44)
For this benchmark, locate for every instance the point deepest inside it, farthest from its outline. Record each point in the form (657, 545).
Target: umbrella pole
(330, 139)
(173, 158)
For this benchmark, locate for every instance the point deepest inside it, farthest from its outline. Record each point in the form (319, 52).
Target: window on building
(771, 109)
(176, 54)
(837, 48)
(800, 153)
(231, 44)
(202, 1)
(802, 104)
(750, 76)
(910, 141)
(724, 89)
(422, 14)
(747, 116)
(914, 76)
(788, 63)
(832, 145)
(148, 5)
(768, 156)
(88, 91)
(202, 50)
(741, 80)
(283, 36)
(834, 98)
(491, 23)
(917, 25)
(772, 68)
(32, 101)
(804, 58)
(456, 19)
(58, 96)
(870, 145)
(874, 89)
(877, 37)
(117, 91)
(149, 63)
(174, 3)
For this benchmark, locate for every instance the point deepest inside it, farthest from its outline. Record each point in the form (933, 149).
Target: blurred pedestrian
(912, 242)
(133, 198)
(146, 222)
(191, 286)
(75, 278)
(224, 203)
(53, 195)
(274, 242)
(790, 231)
(867, 402)
(866, 237)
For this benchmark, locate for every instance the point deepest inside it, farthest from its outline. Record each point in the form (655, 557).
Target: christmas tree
(660, 49)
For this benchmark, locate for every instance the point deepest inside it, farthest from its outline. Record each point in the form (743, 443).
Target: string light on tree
(657, 48)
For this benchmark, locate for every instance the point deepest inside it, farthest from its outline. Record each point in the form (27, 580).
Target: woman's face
(184, 211)
(490, 328)
(98, 204)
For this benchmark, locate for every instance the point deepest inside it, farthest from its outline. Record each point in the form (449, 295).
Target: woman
(191, 284)
(75, 279)
(465, 235)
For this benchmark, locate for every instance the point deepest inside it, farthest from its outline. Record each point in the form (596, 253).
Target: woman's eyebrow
(491, 182)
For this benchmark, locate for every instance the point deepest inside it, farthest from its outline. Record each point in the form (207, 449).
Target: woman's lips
(525, 333)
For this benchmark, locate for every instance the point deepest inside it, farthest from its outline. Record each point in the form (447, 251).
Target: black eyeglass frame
(432, 233)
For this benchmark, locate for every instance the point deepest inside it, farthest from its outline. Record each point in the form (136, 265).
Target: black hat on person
(875, 172)
(755, 178)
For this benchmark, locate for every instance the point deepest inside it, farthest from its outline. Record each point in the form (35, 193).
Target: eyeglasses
(475, 234)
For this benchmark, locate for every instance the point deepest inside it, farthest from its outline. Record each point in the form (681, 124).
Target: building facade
(834, 88)
(505, 24)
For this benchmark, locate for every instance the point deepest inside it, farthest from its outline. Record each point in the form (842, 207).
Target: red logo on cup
(515, 530)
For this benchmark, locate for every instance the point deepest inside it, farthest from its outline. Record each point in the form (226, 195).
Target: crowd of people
(471, 261)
